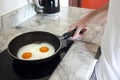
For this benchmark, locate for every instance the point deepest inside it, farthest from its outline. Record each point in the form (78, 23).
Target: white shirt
(108, 67)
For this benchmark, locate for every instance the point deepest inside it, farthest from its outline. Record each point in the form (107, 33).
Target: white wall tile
(7, 6)
(16, 17)
(0, 25)
(64, 3)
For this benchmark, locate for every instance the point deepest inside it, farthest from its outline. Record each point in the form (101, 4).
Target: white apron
(108, 67)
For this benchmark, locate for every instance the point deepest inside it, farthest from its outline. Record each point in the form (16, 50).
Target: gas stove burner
(12, 70)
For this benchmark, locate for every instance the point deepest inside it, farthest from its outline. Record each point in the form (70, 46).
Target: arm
(98, 16)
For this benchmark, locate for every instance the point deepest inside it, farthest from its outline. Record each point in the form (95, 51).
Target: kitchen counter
(79, 61)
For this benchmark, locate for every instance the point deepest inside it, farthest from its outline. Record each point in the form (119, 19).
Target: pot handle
(71, 33)
(39, 4)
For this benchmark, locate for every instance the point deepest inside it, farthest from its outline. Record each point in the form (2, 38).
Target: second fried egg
(45, 50)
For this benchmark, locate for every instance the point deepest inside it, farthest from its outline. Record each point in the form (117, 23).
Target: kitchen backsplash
(16, 17)
(0, 25)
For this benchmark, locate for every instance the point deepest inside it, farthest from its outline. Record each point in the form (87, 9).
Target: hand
(78, 26)
(92, 16)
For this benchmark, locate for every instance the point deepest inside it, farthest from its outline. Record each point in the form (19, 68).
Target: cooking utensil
(47, 6)
(37, 36)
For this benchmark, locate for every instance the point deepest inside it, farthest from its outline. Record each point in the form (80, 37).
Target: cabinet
(75, 3)
(92, 4)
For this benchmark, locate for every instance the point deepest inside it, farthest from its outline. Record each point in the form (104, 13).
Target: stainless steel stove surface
(11, 70)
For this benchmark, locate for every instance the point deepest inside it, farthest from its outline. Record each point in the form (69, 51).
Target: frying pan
(37, 36)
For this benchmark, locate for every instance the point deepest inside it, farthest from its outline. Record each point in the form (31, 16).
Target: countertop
(79, 61)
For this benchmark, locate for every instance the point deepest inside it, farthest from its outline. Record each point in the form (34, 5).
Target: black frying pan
(37, 36)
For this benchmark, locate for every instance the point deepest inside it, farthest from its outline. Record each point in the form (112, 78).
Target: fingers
(77, 34)
(78, 26)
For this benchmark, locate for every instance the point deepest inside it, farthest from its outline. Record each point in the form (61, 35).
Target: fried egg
(45, 50)
(35, 51)
(28, 52)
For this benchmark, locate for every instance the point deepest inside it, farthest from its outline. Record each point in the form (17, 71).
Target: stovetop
(11, 70)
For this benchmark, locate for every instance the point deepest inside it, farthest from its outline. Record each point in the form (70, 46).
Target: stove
(11, 70)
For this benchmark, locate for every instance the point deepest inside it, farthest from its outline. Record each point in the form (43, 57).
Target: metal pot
(47, 6)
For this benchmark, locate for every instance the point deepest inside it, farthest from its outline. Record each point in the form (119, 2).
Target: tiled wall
(0, 25)
(16, 17)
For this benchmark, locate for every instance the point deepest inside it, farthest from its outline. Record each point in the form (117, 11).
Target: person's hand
(92, 16)
(80, 25)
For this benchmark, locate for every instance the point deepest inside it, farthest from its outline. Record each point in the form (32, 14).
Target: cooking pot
(47, 6)
(36, 37)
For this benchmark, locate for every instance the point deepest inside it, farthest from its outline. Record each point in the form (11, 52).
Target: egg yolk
(27, 55)
(44, 49)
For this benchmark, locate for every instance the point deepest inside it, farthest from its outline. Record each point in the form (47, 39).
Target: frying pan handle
(71, 33)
